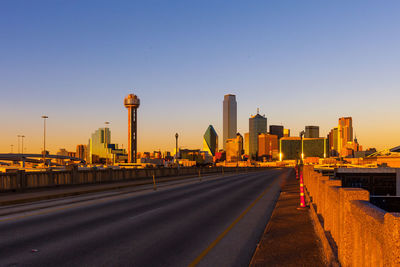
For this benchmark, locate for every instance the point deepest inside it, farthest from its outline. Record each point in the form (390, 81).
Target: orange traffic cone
(302, 200)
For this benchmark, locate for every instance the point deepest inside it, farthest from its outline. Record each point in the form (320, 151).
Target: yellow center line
(223, 234)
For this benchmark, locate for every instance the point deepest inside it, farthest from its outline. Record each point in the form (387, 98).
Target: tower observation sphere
(132, 103)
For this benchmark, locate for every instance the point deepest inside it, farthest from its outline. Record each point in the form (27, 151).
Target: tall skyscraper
(340, 138)
(276, 130)
(230, 118)
(346, 126)
(210, 141)
(345, 132)
(132, 103)
(257, 125)
(333, 142)
(312, 132)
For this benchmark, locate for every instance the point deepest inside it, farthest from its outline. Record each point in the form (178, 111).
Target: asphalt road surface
(215, 221)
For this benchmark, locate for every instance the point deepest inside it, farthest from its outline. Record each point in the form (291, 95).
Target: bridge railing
(21, 180)
(364, 234)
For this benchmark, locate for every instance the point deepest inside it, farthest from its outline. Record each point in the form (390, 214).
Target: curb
(268, 226)
(329, 251)
(266, 230)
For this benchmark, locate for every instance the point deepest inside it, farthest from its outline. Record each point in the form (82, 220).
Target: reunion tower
(132, 103)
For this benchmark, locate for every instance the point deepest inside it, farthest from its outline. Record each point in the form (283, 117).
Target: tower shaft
(132, 102)
(132, 132)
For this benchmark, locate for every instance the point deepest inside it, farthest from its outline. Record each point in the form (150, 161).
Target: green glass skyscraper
(210, 141)
(99, 144)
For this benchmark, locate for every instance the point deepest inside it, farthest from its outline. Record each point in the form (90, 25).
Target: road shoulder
(289, 238)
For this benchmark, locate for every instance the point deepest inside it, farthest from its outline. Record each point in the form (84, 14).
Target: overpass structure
(395, 151)
(35, 158)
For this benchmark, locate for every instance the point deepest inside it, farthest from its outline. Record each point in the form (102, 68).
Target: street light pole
(12, 148)
(22, 144)
(44, 117)
(22, 151)
(176, 148)
(19, 146)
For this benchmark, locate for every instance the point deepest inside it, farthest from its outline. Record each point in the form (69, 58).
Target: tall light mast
(44, 117)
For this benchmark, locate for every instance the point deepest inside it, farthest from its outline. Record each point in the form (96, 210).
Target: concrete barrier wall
(364, 234)
(23, 180)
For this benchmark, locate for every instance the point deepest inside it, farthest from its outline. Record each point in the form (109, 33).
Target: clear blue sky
(300, 62)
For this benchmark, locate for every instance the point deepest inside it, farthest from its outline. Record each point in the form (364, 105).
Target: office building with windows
(229, 118)
(276, 130)
(257, 125)
(311, 132)
(234, 148)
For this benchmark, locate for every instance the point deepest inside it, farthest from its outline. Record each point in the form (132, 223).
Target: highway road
(215, 221)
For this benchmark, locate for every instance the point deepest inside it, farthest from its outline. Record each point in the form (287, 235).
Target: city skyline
(264, 53)
(199, 133)
(149, 145)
